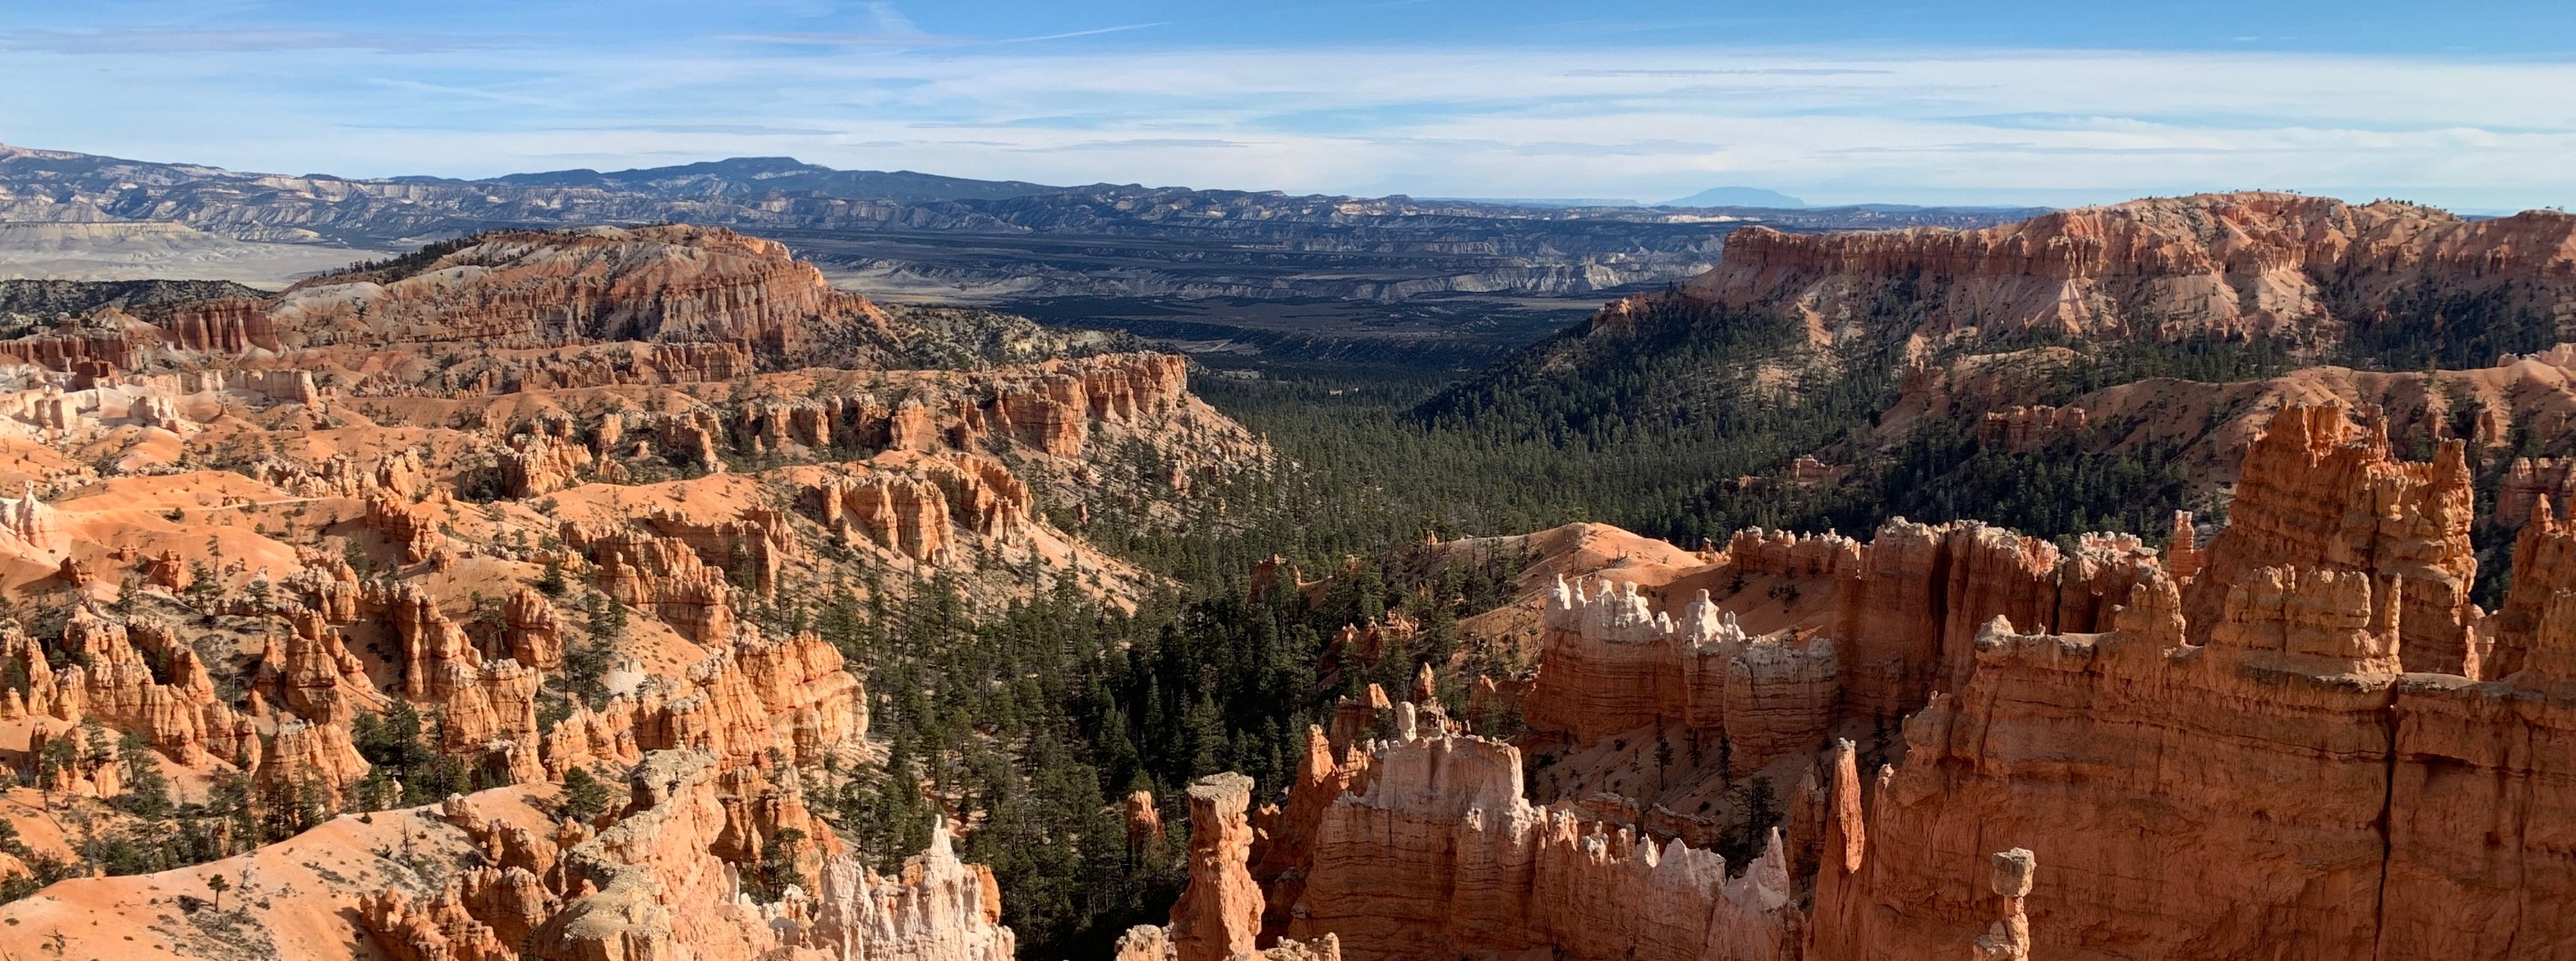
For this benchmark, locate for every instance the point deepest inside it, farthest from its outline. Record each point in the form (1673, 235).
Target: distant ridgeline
(1031, 241)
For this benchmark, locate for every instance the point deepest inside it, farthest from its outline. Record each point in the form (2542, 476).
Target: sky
(2469, 104)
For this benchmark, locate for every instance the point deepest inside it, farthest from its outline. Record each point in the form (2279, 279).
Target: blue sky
(2471, 105)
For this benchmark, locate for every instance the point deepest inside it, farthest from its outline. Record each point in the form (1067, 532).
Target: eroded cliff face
(669, 284)
(1442, 855)
(1903, 612)
(1612, 666)
(2231, 265)
(2316, 795)
(2320, 491)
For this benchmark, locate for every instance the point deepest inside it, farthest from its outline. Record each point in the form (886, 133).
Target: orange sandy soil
(294, 899)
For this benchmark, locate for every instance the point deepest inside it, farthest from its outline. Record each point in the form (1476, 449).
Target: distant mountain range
(907, 234)
(748, 176)
(1737, 197)
(60, 186)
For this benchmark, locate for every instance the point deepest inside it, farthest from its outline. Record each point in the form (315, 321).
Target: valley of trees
(1660, 432)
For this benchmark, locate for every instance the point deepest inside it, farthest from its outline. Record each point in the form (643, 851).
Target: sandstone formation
(2530, 480)
(661, 883)
(1906, 607)
(1613, 666)
(2299, 677)
(2027, 428)
(2009, 939)
(1285, 845)
(1443, 855)
(2220, 264)
(2320, 492)
(756, 697)
(508, 290)
(1144, 824)
(1219, 914)
(114, 683)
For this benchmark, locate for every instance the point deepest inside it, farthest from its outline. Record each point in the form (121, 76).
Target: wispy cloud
(897, 33)
(734, 129)
(444, 90)
(1084, 33)
(1635, 148)
(826, 38)
(1755, 72)
(888, 18)
(1144, 143)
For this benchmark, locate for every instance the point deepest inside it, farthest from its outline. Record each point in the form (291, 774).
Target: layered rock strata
(2320, 492)
(1443, 855)
(2227, 265)
(1907, 606)
(1612, 665)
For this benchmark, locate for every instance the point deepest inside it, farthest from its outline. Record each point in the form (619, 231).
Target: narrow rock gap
(2387, 825)
(1939, 586)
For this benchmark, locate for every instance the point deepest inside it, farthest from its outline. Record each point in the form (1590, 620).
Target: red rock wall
(2320, 492)
(2225, 264)
(1909, 605)
(1442, 856)
(2544, 564)
(667, 284)
(2302, 795)
(2027, 428)
(2530, 479)
(1609, 668)
(223, 326)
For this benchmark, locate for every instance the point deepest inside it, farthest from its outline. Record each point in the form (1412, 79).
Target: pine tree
(147, 789)
(585, 796)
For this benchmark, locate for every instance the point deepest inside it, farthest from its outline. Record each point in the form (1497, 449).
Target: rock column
(2009, 938)
(1219, 916)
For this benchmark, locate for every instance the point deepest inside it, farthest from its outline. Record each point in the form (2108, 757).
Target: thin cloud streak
(445, 90)
(1768, 71)
(1084, 33)
(894, 41)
